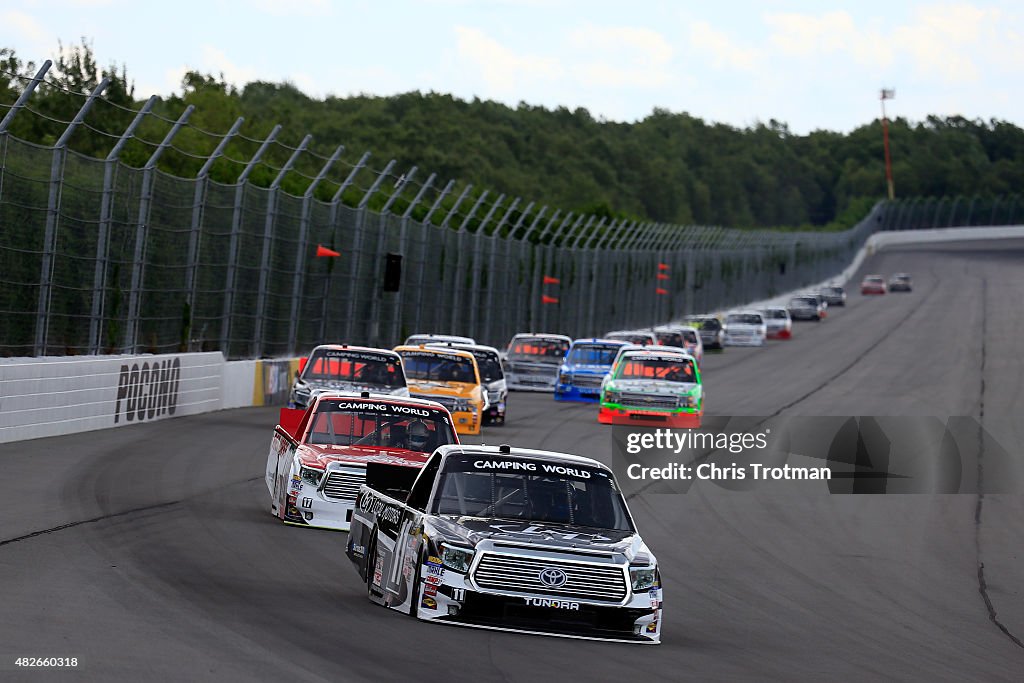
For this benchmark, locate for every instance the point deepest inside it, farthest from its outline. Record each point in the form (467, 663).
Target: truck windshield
(669, 338)
(664, 369)
(490, 366)
(439, 367)
(365, 423)
(641, 338)
(538, 349)
(500, 487)
(592, 354)
(340, 365)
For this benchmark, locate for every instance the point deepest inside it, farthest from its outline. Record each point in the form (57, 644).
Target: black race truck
(507, 538)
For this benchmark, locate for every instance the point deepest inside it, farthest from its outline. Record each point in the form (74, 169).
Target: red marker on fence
(545, 299)
(662, 266)
(322, 251)
(662, 276)
(548, 280)
(661, 291)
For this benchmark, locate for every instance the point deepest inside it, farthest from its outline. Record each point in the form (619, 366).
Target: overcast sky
(811, 65)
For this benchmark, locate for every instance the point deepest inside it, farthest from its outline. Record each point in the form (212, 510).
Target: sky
(809, 65)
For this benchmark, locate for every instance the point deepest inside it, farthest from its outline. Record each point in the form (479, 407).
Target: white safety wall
(62, 395)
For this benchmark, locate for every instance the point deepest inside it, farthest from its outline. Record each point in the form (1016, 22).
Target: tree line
(670, 167)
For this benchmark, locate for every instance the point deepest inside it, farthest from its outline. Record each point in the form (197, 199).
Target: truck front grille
(520, 574)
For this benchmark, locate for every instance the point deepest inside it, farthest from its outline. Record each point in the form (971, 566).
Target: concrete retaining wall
(64, 395)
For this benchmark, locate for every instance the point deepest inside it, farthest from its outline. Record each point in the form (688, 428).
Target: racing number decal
(403, 568)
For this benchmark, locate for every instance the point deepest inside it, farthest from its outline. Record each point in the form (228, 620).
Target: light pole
(887, 94)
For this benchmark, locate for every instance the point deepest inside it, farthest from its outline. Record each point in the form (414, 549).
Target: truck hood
(472, 530)
(588, 369)
(349, 387)
(453, 389)
(648, 386)
(322, 455)
(551, 365)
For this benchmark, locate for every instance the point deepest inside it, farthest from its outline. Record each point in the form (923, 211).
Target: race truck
(640, 337)
(488, 361)
(777, 322)
(710, 329)
(507, 539)
(684, 336)
(873, 284)
(805, 307)
(901, 282)
(745, 328)
(584, 368)
(352, 369)
(450, 377)
(652, 386)
(318, 457)
(532, 361)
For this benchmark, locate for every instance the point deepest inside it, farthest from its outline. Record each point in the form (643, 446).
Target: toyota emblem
(552, 578)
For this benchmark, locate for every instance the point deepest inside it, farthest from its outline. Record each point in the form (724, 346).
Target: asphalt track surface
(148, 552)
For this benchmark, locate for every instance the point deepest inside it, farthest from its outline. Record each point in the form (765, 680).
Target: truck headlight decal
(642, 577)
(456, 558)
(311, 476)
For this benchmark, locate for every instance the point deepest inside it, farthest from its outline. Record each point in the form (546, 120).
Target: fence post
(236, 230)
(631, 249)
(595, 265)
(99, 282)
(448, 276)
(357, 248)
(549, 266)
(474, 290)
(534, 305)
(645, 305)
(299, 276)
(579, 259)
(131, 335)
(19, 103)
(333, 222)
(514, 304)
(426, 238)
(198, 206)
(376, 301)
(403, 241)
(268, 239)
(460, 264)
(492, 282)
(52, 211)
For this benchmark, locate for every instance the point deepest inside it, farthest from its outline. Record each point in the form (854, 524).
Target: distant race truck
(353, 369)
(582, 372)
(452, 378)
(532, 361)
(653, 386)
